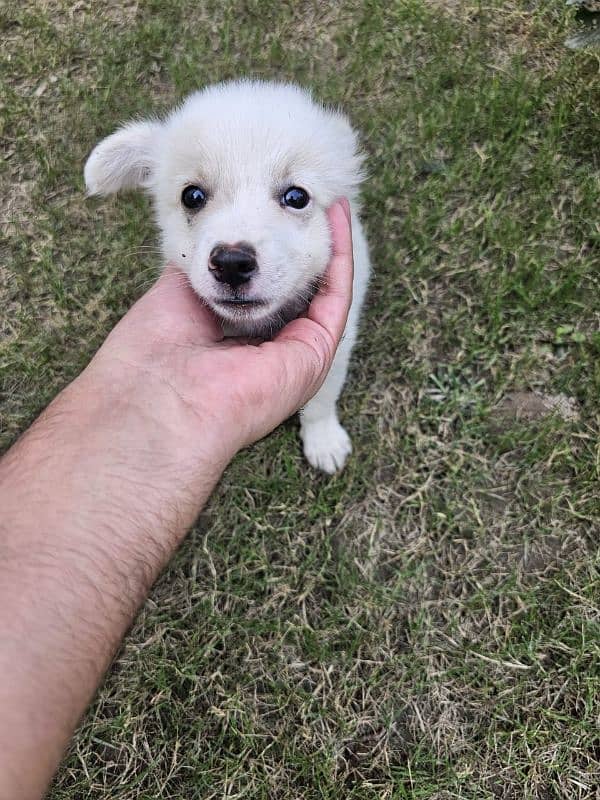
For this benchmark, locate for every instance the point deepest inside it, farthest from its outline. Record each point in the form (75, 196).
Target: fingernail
(346, 206)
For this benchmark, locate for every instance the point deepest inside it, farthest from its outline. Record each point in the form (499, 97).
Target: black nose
(233, 264)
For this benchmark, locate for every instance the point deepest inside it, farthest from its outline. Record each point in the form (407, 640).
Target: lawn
(426, 624)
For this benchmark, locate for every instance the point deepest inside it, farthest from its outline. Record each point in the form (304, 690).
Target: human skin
(96, 496)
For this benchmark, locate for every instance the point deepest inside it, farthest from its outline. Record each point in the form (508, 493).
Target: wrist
(115, 449)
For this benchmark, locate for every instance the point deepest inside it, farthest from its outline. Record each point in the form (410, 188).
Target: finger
(328, 312)
(331, 304)
(307, 345)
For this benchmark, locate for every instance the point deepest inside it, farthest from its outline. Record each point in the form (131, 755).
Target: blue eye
(193, 197)
(295, 197)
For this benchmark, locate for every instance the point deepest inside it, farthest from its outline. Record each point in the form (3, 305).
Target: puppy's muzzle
(233, 264)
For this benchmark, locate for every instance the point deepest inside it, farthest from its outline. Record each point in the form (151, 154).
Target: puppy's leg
(326, 443)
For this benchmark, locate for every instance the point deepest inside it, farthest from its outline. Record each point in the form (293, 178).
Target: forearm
(94, 499)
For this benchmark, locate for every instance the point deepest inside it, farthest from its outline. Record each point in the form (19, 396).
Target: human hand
(232, 392)
(100, 491)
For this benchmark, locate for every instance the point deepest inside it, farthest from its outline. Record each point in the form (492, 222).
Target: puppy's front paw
(326, 444)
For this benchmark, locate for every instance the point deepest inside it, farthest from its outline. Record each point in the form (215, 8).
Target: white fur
(246, 142)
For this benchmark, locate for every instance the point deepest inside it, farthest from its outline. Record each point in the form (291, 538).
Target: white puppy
(241, 176)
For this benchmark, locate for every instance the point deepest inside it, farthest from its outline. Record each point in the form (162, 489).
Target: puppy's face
(241, 176)
(245, 218)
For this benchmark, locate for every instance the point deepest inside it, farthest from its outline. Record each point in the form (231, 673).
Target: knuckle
(323, 349)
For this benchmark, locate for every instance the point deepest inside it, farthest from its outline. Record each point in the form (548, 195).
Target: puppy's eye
(193, 197)
(295, 197)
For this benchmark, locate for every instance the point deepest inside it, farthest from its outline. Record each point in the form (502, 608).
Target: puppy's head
(241, 176)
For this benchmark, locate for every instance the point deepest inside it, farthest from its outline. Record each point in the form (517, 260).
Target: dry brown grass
(426, 624)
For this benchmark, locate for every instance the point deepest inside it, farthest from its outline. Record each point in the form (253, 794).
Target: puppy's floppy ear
(124, 160)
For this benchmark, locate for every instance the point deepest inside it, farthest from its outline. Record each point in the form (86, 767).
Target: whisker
(141, 252)
(147, 248)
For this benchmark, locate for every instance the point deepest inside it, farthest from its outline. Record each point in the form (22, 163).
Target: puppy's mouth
(257, 316)
(241, 305)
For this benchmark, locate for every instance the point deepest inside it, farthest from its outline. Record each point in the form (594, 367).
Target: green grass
(426, 624)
